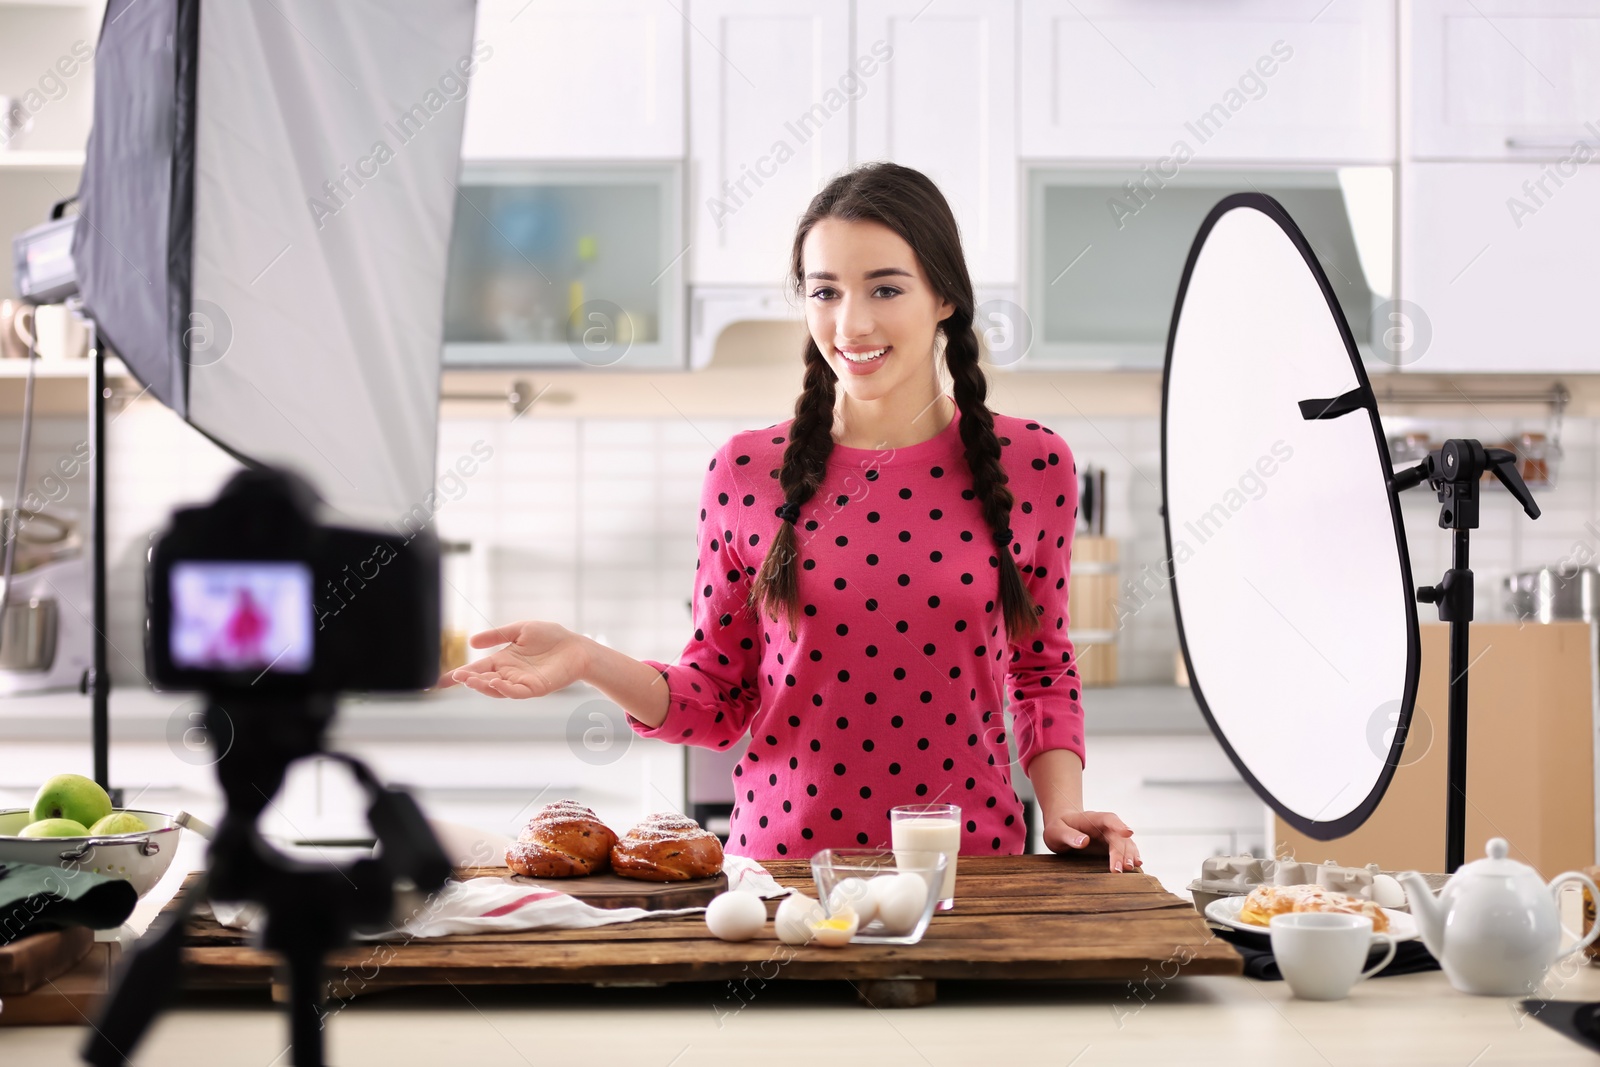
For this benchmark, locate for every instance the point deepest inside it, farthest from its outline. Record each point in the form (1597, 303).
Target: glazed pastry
(667, 847)
(1317, 898)
(562, 840)
(1265, 901)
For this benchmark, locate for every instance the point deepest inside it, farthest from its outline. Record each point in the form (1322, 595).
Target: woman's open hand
(1093, 832)
(538, 658)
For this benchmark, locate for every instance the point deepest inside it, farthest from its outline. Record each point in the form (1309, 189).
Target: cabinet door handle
(1547, 143)
(1194, 783)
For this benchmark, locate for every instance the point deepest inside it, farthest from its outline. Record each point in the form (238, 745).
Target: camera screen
(241, 616)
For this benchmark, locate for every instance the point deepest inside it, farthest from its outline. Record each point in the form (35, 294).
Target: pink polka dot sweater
(893, 689)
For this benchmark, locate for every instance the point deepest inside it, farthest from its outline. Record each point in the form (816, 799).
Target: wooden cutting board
(70, 997)
(27, 964)
(609, 890)
(1017, 918)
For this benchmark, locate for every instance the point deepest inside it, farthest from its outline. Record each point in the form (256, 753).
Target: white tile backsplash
(592, 522)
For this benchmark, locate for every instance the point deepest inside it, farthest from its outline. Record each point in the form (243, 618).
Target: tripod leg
(305, 1006)
(146, 981)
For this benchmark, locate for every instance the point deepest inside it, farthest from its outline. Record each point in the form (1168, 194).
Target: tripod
(1455, 471)
(310, 909)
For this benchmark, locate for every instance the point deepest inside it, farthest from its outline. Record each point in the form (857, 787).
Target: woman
(871, 572)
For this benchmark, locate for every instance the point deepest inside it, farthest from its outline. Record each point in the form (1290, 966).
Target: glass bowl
(903, 921)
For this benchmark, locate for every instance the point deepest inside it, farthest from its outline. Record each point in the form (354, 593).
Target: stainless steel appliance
(45, 630)
(1551, 593)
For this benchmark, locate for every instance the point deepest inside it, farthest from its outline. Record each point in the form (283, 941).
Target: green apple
(119, 822)
(71, 796)
(54, 828)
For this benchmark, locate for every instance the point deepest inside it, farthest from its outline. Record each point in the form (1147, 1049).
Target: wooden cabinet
(1252, 80)
(769, 103)
(1530, 757)
(1497, 260)
(562, 81)
(944, 102)
(1504, 79)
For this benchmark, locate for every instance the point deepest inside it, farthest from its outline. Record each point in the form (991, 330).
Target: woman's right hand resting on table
(539, 658)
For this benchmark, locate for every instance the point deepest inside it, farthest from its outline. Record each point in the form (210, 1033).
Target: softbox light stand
(1455, 471)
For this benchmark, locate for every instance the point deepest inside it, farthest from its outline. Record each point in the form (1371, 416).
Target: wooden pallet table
(1036, 917)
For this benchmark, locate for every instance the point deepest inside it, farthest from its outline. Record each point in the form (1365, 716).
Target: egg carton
(1229, 876)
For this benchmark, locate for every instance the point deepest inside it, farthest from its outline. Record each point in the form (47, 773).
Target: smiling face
(867, 297)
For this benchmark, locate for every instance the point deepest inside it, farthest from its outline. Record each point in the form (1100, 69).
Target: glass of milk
(919, 832)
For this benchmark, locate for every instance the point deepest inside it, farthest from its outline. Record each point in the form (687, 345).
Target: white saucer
(1225, 912)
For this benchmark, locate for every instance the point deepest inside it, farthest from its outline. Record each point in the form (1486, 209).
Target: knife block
(1531, 740)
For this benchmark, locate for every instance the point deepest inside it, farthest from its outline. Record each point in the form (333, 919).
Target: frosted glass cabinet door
(1504, 274)
(1251, 80)
(601, 79)
(945, 103)
(1504, 79)
(769, 106)
(566, 265)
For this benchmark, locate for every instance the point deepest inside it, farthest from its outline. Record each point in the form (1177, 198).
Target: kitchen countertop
(139, 714)
(1412, 1019)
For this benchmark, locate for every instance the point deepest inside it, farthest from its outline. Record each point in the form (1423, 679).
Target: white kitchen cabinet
(1182, 797)
(592, 81)
(496, 787)
(945, 103)
(1498, 260)
(1255, 80)
(1504, 79)
(769, 105)
(491, 787)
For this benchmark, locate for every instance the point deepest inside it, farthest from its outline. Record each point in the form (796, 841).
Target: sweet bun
(1265, 901)
(667, 847)
(562, 840)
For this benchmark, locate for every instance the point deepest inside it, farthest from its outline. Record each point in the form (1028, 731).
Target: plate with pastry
(667, 861)
(1253, 911)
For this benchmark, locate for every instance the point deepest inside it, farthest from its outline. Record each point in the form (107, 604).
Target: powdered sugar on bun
(562, 840)
(666, 825)
(555, 814)
(667, 847)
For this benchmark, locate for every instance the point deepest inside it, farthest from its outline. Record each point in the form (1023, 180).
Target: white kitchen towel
(511, 903)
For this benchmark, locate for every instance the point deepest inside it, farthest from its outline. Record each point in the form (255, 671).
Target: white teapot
(1495, 927)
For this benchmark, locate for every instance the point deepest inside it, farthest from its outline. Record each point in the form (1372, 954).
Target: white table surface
(1411, 1019)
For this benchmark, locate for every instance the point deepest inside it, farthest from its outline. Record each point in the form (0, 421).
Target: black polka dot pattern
(900, 682)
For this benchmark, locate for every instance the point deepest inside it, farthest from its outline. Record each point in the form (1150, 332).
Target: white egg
(856, 894)
(901, 899)
(736, 916)
(795, 915)
(1387, 892)
(836, 930)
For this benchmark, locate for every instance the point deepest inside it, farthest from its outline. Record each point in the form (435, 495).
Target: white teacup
(1321, 952)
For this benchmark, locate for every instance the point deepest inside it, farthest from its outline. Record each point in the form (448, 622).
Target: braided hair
(908, 203)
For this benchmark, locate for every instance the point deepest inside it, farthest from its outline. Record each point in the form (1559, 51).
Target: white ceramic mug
(1321, 952)
(58, 333)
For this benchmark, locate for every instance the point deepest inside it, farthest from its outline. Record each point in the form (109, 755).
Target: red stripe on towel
(507, 909)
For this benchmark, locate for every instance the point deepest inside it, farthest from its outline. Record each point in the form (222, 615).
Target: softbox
(265, 217)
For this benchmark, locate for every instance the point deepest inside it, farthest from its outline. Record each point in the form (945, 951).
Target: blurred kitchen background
(632, 172)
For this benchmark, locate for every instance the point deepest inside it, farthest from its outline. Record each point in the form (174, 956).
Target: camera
(252, 592)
